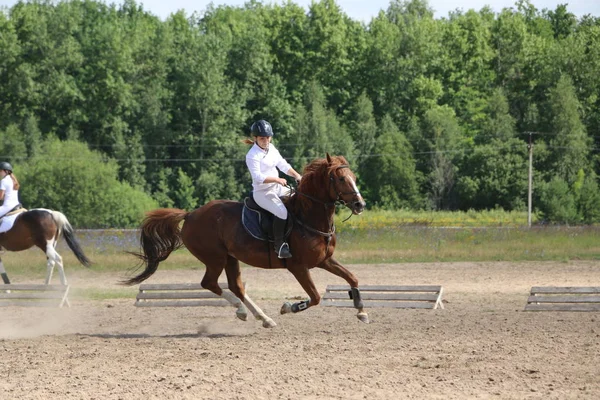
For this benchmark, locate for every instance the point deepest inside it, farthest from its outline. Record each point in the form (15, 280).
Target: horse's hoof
(363, 317)
(269, 323)
(242, 315)
(286, 308)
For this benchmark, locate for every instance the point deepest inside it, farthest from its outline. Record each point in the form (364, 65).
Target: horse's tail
(64, 227)
(160, 236)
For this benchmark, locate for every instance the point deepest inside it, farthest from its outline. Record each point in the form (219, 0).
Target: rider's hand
(282, 181)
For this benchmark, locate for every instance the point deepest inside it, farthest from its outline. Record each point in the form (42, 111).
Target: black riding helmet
(5, 166)
(262, 128)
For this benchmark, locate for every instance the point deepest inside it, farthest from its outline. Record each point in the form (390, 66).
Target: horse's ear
(328, 158)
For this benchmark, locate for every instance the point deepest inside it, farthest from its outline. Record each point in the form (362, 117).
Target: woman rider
(9, 193)
(263, 161)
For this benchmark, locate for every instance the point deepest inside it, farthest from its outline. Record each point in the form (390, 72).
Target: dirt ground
(482, 345)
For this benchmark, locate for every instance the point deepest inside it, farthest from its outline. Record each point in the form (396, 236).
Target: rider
(263, 160)
(9, 191)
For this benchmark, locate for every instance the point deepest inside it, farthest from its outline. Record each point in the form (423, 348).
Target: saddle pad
(251, 222)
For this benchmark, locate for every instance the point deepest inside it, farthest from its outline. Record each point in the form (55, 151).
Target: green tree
(443, 140)
(390, 177)
(494, 175)
(363, 130)
(317, 130)
(589, 200)
(557, 202)
(569, 144)
(497, 123)
(563, 22)
(83, 184)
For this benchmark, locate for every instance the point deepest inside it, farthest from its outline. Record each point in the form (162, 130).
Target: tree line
(107, 110)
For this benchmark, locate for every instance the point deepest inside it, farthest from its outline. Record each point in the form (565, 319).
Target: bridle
(339, 193)
(327, 204)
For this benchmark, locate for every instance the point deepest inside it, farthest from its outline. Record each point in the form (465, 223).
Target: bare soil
(482, 345)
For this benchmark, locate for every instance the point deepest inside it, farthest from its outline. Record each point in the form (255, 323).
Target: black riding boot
(281, 248)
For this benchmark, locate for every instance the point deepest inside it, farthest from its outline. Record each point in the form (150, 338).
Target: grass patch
(428, 244)
(381, 219)
(372, 246)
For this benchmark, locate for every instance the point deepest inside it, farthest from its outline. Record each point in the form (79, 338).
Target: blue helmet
(5, 166)
(262, 128)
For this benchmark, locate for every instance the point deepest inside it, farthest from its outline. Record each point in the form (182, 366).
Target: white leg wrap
(241, 312)
(258, 313)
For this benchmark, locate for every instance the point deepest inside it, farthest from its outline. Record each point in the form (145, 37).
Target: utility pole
(530, 188)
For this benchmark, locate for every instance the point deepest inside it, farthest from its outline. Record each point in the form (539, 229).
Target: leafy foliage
(431, 113)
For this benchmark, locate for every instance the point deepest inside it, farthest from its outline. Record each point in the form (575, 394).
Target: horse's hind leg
(61, 269)
(210, 281)
(234, 279)
(53, 258)
(3, 273)
(237, 290)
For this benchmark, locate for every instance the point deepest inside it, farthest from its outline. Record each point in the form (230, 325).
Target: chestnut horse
(215, 235)
(42, 228)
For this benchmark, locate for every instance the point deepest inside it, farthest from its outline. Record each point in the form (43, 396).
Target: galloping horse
(215, 235)
(42, 228)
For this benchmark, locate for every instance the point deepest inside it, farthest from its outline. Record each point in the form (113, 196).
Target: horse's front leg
(336, 268)
(303, 277)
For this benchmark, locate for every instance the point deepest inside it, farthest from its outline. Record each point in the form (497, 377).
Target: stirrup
(284, 251)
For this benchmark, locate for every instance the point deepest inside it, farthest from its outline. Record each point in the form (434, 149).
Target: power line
(231, 159)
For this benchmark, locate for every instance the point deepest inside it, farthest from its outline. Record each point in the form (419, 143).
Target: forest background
(107, 111)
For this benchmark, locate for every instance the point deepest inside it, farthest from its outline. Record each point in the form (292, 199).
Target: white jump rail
(23, 295)
(565, 298)
(178, 295)
(377, 296)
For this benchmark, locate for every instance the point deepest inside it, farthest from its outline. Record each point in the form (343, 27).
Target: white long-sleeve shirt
(11, 196)
(262, 164)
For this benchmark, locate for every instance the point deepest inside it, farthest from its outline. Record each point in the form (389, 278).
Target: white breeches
(8, 222)
(4, 208)
(270, 201)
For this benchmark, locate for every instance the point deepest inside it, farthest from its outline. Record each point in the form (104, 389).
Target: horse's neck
(319, 214)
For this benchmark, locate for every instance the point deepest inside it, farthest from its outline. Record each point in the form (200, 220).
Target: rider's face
(2, 173)
(263, 141)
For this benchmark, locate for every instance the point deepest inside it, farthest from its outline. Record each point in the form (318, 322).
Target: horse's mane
(314, 181)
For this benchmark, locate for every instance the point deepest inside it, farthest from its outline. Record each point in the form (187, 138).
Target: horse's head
(343, 184)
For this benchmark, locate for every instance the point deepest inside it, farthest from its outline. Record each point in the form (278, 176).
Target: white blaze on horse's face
(359, 204)
(355, 202)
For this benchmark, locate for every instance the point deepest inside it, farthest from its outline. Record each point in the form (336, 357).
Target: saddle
(258, 222)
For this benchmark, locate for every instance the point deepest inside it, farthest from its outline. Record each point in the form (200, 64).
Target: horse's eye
(342, 179)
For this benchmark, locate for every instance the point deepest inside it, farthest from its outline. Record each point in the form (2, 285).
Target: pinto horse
(42, 228)
(215, 235)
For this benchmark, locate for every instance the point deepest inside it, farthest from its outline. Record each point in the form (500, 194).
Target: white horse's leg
(61, 270)
(49, 269)
(258, 313)
(54, 259)
(4, 274)
(241, 311)
(51, 260)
